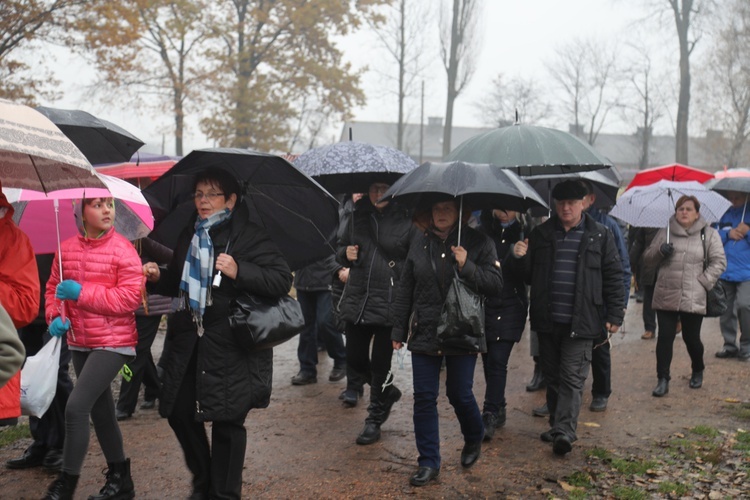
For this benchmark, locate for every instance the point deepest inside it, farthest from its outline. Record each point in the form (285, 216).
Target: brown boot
(648, 335)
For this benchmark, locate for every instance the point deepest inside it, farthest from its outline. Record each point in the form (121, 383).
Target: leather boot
(62, 488)
(119, 485)
(662, 387)
(537, 380)
(389, 397)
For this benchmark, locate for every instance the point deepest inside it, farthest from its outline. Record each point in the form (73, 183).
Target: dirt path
(302, 446)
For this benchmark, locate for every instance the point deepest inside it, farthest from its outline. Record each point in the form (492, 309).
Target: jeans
(458, 387)
(691, 335)
(317, 310)
(495, 363)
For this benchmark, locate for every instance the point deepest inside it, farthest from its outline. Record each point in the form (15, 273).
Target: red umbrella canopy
(675, 172)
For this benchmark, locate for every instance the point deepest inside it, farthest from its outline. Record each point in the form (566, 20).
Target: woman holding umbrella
(208, 376)
(434, 255)
(682, 284)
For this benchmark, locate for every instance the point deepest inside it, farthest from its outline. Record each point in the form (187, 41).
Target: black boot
(119, 485)
(62, 488)
(389, 397)
(662, 387)
(537, 380)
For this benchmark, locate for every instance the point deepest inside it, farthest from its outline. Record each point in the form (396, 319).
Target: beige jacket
(681, 283)
(12, 352)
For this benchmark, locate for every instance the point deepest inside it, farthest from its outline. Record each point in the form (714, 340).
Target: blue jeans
(317, 310)
(459, 389)
(495, 363)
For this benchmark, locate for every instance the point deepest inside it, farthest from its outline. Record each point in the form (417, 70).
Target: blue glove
(68, 290)
(57, 328)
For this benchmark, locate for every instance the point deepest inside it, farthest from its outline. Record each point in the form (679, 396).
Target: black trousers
(142, 367)
(601, 367)
(216, 468)
(363, 366)
(48, 431)
(691, 334)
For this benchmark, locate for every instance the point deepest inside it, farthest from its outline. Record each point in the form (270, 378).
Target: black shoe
(350, 397)
(390, 397)
(542, 411)
(696, 380)
(62, 488)
(423, 476)
(562, 445)
(743, 356)
(547, 436)
(119, 483)
(726, 353)
(470, 453)
(148, 404)
(303, 378)
(53, 460)
(599, 403)
(337, 374)
(370, 434)
(122, 415)
(490, 424)
(537, 380)
(662, 387)
(28, 460)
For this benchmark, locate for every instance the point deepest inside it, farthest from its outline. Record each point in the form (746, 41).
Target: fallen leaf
(591, 424)
(568, 487)
(732, 400)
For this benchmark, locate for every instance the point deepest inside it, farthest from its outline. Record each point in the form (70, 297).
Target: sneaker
(350, 397)
(726, 353)
(599, 403)
(122, 415)
(337, 374)
(542, 411)
(303, 378)
(148, 404)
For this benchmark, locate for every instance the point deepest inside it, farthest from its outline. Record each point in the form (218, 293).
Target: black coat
(383, 239)
(230, 380)
(599, 296)
(318, 276)
(422, 288)
(505, 314)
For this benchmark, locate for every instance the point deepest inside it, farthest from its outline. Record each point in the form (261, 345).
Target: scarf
(195, 288)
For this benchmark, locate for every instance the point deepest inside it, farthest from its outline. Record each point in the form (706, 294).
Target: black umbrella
(100, 141)
(299, 214)
(530, 150)
(604, 181)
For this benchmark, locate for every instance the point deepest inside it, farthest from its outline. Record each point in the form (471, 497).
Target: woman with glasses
(208, 376)
(373, 245)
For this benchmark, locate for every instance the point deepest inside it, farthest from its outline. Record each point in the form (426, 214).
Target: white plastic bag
(39, 379)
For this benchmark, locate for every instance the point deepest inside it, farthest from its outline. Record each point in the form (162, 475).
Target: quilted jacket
(111, 276)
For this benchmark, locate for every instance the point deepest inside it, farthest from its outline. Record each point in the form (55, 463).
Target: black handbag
(461, 323)
(259, 322)
(716, 298)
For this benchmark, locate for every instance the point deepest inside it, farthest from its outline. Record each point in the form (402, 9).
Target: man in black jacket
(575, 275)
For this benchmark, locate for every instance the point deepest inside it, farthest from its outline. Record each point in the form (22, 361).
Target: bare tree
(586, 74)
(520, 95)
(457, 50)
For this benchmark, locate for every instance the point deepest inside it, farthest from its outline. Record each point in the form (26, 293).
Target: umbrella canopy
(351, 167)
(605, 186)
(530, 150)
(35, 212)
(734, 179)
(140, 165)
(654, 204)
(298, 213)
(676, 172)
(480, 185)
(34, 154)
(100, 141)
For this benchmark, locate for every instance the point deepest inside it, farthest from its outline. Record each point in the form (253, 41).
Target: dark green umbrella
(530, 150)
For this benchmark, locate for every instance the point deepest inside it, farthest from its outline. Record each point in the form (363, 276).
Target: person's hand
(227, 265)
(666, 249)
(352, 252)
(520, 248)
(58, 328)
(152, 272)
(68, 290)
(343, 274)
(611, 328)
(735, 234)
(743, 229)
(397, 345)
(459, 253)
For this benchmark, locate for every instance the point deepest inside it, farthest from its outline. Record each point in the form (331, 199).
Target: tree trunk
(452, 76)
(401, 76)
(682, 22)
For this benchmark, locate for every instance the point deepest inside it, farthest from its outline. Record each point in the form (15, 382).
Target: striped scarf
(195, 285)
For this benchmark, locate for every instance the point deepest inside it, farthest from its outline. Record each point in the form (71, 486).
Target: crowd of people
(385, 287)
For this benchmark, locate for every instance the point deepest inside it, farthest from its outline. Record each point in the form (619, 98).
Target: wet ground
(303, 446)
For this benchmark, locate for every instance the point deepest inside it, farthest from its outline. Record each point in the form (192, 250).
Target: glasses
(209, 196)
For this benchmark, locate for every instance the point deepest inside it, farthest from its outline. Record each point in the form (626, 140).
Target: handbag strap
(705, 252)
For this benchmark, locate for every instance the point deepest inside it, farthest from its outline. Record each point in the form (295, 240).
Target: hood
(5, 207)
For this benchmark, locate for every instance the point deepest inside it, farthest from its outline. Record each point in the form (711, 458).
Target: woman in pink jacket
(100, 292)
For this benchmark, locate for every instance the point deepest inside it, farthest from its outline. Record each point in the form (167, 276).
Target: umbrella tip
(350, 133)
(517, 122)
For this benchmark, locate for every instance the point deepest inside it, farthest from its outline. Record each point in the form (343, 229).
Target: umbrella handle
(460, 217)
(56, 204)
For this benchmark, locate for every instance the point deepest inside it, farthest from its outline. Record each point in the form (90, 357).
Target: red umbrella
(676, 172)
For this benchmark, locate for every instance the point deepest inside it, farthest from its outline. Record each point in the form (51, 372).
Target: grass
(743, 441)
(579, 479)
(599, 453)
(742, 412)
(705, 430)
(13, 433)
(628, 493)
(630, 466)
(673, 489)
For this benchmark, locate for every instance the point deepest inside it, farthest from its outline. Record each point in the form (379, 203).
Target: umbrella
(351, 166)
(100, 141)
(480, 185)
(605, 185)
(300, 216)
(35, 212)
(653, 205)
(140, 165)
(34, 154)
(676, 172)
(530, 150)
(734, 179)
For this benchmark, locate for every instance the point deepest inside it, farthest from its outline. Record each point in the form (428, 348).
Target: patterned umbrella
(34, 154)
(351, 167)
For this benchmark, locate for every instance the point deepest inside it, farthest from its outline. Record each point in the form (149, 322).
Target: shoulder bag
(716, 298)
(259, 322)
(461, 323)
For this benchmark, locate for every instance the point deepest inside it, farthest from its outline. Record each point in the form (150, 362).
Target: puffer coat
(383, 239)
(681, 282)
(111, 277)
(229, 380)
(427, 275)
